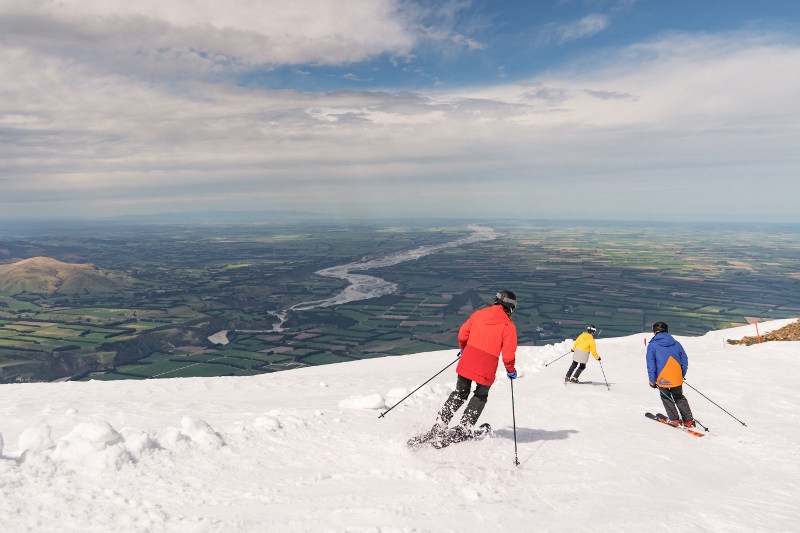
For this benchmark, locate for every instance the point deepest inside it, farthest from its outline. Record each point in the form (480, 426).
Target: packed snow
(305, 450)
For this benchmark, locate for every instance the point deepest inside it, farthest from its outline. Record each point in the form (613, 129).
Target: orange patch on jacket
(671, 375)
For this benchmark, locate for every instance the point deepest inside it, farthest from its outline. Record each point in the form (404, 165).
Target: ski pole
(670, 398)
(557, 358)
(709, 399)
(604, 374)
(514, 421)
(415, 390)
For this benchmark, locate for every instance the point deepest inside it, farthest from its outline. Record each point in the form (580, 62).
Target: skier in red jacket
(482, 338)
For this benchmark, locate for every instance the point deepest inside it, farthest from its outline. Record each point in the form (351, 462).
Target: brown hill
(44, 275)
(790, 332)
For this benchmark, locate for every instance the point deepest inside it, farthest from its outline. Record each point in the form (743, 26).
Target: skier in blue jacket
(666, 367)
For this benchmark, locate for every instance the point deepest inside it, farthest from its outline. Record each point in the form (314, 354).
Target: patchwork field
(175, 286)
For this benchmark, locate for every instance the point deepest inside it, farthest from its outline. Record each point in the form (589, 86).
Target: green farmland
(173, 287)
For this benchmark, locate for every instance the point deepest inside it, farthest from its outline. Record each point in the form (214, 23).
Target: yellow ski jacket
(585, 343)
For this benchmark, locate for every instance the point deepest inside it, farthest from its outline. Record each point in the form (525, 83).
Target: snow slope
(305, 450)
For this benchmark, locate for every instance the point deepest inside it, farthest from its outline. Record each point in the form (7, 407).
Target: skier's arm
(684, 361)
(509, 348)
(463, 333)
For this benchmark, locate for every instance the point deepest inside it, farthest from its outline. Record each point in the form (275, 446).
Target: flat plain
(161, 290)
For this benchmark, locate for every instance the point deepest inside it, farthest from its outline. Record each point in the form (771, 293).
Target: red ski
(664, 420)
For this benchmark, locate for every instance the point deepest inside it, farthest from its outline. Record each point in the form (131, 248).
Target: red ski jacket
(483, 337)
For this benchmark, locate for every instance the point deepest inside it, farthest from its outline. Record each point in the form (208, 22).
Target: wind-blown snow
(305, 450)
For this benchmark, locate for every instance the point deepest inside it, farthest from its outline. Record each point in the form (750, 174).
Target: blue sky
(636, 110)
(488, 41)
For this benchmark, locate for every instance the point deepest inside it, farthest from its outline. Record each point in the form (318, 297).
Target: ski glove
(599, 358)
(512, 375)
(652, 385)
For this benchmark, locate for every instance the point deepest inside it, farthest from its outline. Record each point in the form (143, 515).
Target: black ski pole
(604, 374)
(709, 399)
(415, 390)
(557, 358)
(670, 398)
(514, 421)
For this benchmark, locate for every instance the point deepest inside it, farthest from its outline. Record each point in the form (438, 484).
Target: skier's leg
(475, 406)
(451, 405)
(682, 403)
(571, 369)
(455, 400)
(669, 404)
(581, 367)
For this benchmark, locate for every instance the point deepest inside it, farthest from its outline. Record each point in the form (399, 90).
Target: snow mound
(305, 450)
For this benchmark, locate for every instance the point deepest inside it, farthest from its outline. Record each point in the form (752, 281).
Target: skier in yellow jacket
(584, 345)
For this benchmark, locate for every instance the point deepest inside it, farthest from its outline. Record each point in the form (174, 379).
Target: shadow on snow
(533, 435)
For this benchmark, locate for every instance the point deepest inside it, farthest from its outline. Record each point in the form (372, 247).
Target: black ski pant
(675, 403)
(581, 367)
(457, 399)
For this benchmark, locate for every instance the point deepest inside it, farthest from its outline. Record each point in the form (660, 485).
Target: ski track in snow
(305, 450)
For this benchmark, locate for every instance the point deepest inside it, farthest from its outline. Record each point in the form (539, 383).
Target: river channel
(363, 286)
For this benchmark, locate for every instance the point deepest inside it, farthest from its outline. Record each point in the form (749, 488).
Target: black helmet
(660, 327)
(591, 329)
(507, 299)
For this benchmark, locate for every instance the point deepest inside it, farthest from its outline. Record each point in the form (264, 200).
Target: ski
(578, 382)
(478, 433)
(663, 419)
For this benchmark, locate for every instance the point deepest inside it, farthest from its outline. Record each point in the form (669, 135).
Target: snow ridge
(305, 450)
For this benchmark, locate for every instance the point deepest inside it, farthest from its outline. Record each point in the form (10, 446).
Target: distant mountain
(219, 217)
(44, 275)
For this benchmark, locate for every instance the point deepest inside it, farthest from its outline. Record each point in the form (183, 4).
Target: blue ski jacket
(666, 361)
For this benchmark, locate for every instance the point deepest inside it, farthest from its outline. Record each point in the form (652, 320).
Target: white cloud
(471, 44)
(208, 33)
(587, 26)
(693, 110)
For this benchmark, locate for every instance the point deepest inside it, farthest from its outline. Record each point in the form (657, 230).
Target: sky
(561, 109)
(306, 451)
